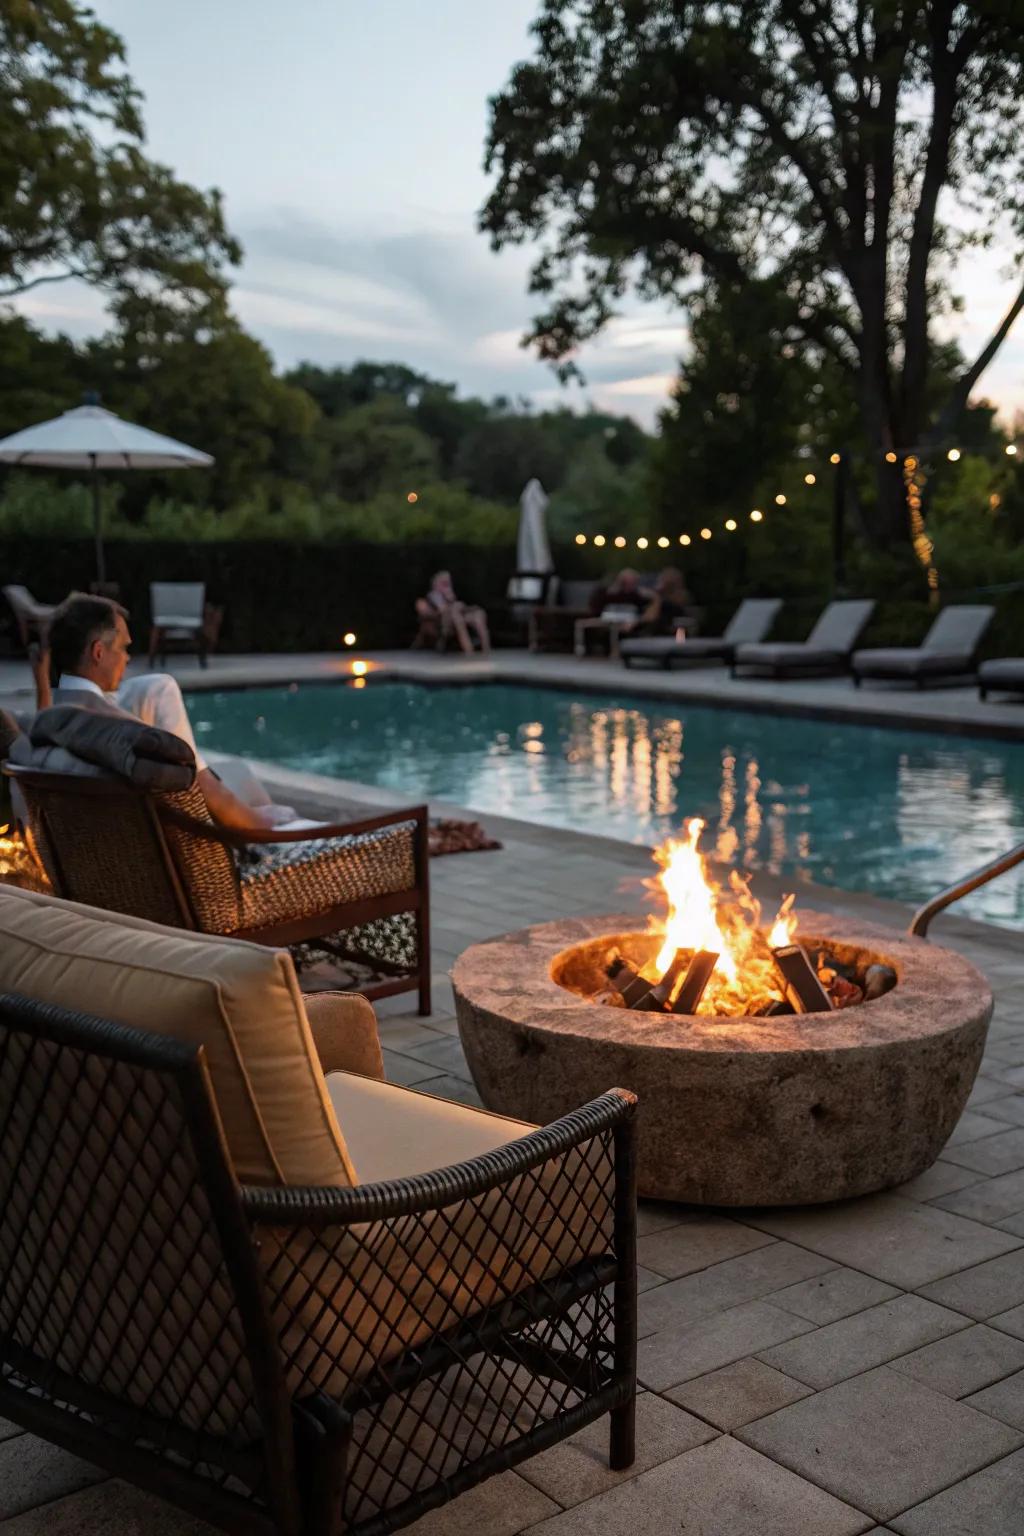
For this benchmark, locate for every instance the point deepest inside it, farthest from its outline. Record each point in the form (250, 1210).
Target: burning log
(698, 975)
(802, 987)
(657, 999)
(633, 987)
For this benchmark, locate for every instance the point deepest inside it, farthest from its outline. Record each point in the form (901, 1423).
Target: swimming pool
(897, 814)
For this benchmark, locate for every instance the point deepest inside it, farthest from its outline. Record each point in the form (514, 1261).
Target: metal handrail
(921, 920)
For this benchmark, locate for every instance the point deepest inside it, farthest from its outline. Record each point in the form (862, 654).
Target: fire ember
(714, 957)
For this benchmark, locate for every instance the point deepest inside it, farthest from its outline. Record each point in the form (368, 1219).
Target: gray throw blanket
(67, 739)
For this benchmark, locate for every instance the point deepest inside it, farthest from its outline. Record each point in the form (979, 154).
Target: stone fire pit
(790, 1110)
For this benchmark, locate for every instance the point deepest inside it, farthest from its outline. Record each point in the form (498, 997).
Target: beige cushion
(240, 1001)
(346, 1302)
(392, 1132)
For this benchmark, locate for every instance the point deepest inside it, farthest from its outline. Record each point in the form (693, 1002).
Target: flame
(702, 916)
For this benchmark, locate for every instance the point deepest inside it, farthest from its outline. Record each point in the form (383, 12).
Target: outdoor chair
(180, 616)
(827, 648)
(749, 624)
(552, 623)
(32, 618)
(1003, 674)
(947, 652)
(358, 890)
(240, 1270)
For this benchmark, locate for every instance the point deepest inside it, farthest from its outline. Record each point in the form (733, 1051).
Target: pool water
(897, 814)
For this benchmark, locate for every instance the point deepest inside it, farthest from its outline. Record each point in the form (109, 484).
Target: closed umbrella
(533, 552)
(94, 439)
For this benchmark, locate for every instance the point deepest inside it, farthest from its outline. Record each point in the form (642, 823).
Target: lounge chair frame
(143, 877)
(116, 1191)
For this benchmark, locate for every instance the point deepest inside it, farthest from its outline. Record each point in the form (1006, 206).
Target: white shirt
(75, 684)
(154, 698)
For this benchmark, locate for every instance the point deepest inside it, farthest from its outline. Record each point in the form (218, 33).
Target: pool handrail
(921, 921)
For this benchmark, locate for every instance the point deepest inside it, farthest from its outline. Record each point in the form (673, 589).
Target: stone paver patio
(816, 1372)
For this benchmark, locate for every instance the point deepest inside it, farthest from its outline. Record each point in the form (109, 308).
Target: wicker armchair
(297, 1361)
(361, 889)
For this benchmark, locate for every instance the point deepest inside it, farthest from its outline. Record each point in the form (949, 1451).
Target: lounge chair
(181, 616)
(242, 1271)
(947, 651)
(1004, 674)
(750, 623)
(358, 888)
(31, 617)
(827, 648)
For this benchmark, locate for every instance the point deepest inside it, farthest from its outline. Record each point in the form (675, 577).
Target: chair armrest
(244, 837)
(344, 1028)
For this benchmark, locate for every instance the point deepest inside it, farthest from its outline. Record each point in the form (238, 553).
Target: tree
(78, 196)
(709, 147)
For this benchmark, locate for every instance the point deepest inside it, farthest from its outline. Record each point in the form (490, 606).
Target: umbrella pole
(97, 522)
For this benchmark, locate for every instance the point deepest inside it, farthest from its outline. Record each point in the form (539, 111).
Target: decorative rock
(748, 1111)
(878, 980)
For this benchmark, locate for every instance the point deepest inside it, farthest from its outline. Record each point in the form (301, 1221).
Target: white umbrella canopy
(533, 552)
(92, 438)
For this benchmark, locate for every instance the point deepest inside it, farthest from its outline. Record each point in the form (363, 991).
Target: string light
(730, 524)
(599, 540)
(810, 479)
(953, 455)
(834, 458)
(1011, 449)
(641, 543)
(663, 542)
(890, 457)
(780, 500)
(581, 538)
(620, 542)
(910, 463)
(358, 668)
(349, 639)
(757, 515)
(412, 496)
(705, 533)
(685, 540)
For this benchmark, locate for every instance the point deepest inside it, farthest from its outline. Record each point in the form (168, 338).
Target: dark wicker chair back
(296, 1360)
(132, 1323)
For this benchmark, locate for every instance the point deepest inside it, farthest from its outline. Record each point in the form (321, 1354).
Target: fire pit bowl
(787, 1110)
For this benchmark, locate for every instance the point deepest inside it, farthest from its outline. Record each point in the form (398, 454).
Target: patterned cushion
(296, 879)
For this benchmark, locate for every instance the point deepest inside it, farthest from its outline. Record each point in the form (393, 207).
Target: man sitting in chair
(90, 646)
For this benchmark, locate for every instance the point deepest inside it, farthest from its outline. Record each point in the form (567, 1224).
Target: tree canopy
(833, 158)
(78, 195)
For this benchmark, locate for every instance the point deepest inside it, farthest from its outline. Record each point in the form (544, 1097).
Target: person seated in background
(671, 606)
(90, 645)
(624, 591)
(457, 617)
(615, 610)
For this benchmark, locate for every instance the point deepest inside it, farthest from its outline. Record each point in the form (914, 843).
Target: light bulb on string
(834, 458)
(780, 500)
(890, 457)
(663, 542)
(810, 479)
(620, 542)
(757, 515)
(685, 540)
(581, 538)
(730, 524)
(1011, 449)
(599, 540)
(953, 455)
(641, 543)
(705, 533)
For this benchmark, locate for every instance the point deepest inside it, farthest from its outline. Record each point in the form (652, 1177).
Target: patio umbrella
(91, 438)
(533, 552)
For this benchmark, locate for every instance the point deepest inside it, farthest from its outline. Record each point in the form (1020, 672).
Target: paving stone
(868, 1338)
(940, 1179)
(646, 1279)
(1014, 1224)
(835, 1294)
(985, 1289)
(990, 1200)
(695, 1243)
(406, 1071)
(743, 1278)
(720, 1489)
(971, 1127)
(963, 1364)
(9, 1430)
(453, 1088)
(745, 1390)
(1003, 1400)
(1013, 1076)
(502, 1506)
(577, 1469)
(1010, 1109)
(986, 1088)
(678, 1354)
(657, 1215)
(1010, 1322)
(893, 1239)
(108, 1509)
(997, 1153)
(881, 1441)
(445, 1054)
(32, 1471)
(987, 1504)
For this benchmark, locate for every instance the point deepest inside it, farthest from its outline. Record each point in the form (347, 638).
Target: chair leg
(622, 1436)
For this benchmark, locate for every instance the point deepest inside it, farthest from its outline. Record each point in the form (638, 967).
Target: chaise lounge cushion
(240, 1001)
(1003, 672)
(908, 661)
(792, 653)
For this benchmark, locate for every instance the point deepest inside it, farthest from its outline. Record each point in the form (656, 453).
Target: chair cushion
(348, 1301)
(293, 879)
(786, 653)
(908, 662)
(1006, 670)
(658, 647)
(143, 754)
(240, 1001)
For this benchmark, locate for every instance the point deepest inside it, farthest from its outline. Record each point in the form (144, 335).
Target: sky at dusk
(347, 137)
